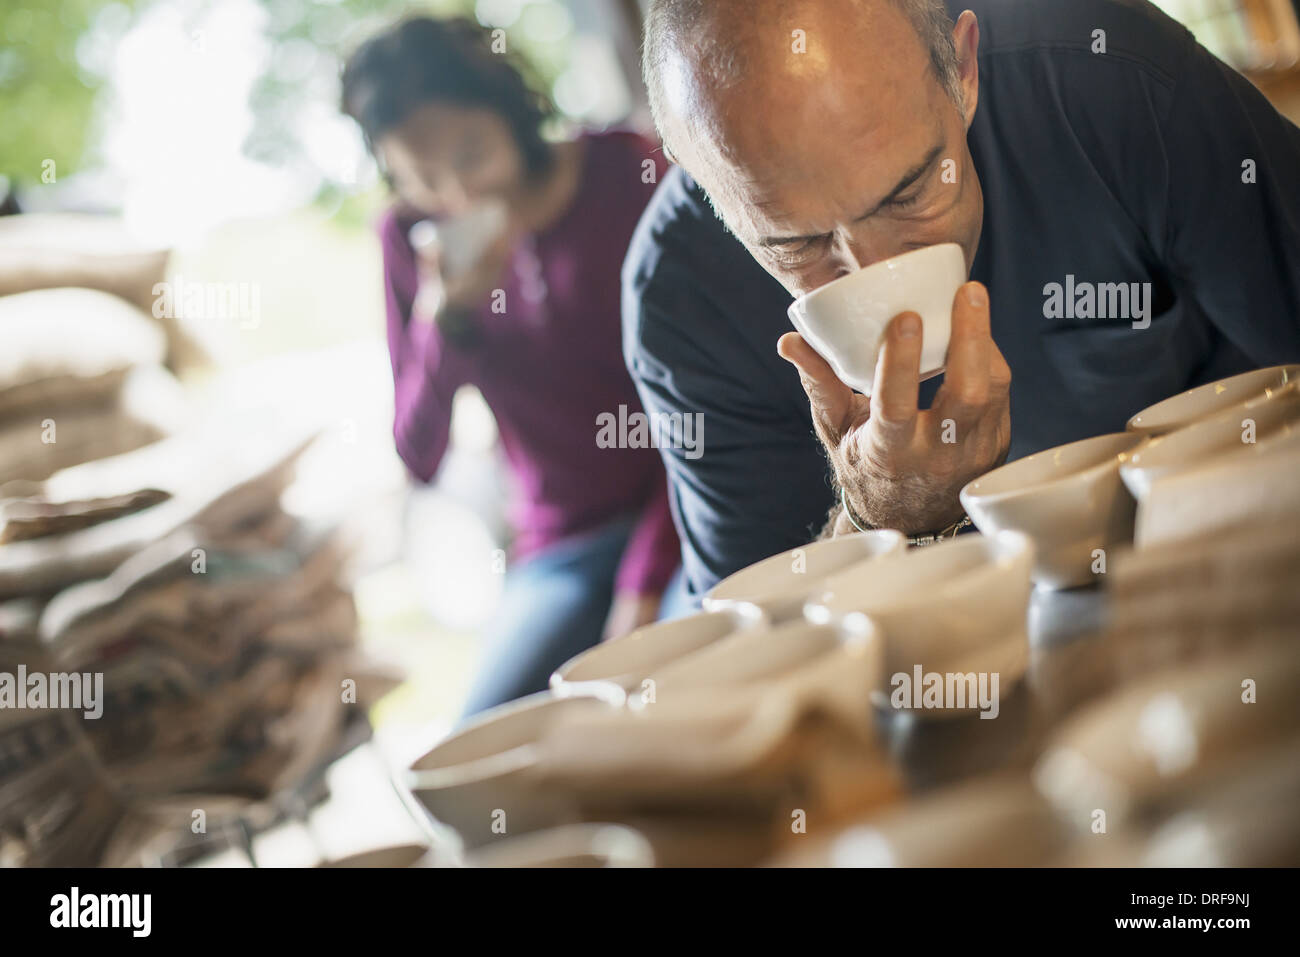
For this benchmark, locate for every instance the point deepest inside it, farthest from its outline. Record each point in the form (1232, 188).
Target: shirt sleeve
(1233, 207)
(732, 495)
(426, 371)
(653, 550)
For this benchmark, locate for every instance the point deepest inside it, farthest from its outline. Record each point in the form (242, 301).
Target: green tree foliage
(55, 56)
(47, 89)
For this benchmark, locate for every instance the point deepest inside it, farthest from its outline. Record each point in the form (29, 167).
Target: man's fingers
(999, 373)
(831, 400)
(968, 382)
(898, 376)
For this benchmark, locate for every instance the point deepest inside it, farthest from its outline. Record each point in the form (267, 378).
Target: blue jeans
(677, 601)
(553, 607)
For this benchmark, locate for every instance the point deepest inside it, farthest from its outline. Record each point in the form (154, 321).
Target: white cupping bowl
(781, 584)
(753, 658)
(1069, 500)
(1209, 399)
(1269, 415)
(957, 606)
(845, 320)
(614, 668)
(491, 765)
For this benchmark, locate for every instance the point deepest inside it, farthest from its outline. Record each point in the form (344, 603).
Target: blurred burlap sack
(49, 250)
(70, 346)
(79, 380)
(222, 627)
(232, 492)
(34, 446)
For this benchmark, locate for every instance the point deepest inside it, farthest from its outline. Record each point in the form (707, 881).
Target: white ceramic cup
(1210, 399)
(956, 606)
(1069, 500)
(1269, 415)
(755, 657)
(845, 320)
(613, 669)
(490, 763)
(781, 584)
(461, 242)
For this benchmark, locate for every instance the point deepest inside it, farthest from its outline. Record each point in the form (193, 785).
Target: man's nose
(861, 246)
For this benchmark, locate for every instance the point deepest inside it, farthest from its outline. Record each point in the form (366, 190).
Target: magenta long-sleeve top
(550, 366)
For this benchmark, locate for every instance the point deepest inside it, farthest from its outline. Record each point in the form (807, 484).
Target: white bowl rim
(743, 615)
(1180, 436)
(474, 771)
(1290, 372)
(480, 767)
(890, 540)
(1085, 474)
(883, 265)
(854, 632)
(1003, 550)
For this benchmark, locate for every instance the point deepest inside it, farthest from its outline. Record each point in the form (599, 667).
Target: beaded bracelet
(951, 531)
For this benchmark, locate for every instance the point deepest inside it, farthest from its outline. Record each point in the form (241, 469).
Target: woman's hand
(629, 611)
(451, 302)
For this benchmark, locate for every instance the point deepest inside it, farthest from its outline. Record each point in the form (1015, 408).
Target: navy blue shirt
(1123, 167)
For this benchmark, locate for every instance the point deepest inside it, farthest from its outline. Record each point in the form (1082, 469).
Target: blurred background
(200, 143)
(211, 129)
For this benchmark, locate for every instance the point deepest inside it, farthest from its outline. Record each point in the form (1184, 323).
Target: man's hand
(900, 466)
(629, 611)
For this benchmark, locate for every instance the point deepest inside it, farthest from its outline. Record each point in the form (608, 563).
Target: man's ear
(966, 38)
(668, 155)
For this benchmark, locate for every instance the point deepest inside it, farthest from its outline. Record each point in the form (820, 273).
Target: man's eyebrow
(908, 179)
(769, 241)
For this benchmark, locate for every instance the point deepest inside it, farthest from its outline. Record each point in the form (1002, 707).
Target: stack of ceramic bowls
(1272, 415)
(770, 690)
(1079, 502)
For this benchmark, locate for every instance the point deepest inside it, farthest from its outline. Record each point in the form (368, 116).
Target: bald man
(1066, 145)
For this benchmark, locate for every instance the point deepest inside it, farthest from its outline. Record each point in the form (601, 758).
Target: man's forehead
(804, 182)
(848, 88)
